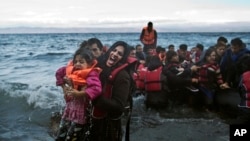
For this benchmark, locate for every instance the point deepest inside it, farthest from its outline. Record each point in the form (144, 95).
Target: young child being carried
(80, 85)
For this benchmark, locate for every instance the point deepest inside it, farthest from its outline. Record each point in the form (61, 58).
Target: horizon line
(24, 29)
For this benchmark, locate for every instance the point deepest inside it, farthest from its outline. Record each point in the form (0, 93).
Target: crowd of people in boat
(99, 82)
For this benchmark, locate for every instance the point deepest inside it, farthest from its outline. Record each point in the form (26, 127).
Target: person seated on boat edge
(230, 64)
(220, 49)
(156, 90)
(140, 55)
(105, 48)
(139, 78)
(185, 60)
(138, 74)
(244, 85)
(171, 47)
(244, 91)
(234, 103)
(227, 101)
(199, 53)
(184, 54)
(209, 78)
(193, 54)
(161, 52)
(132, 52)
(178, 78)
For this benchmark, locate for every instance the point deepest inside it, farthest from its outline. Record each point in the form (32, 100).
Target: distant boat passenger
(148, 37)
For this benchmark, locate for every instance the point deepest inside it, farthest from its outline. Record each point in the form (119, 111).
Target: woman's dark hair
(84, 53)
(107, 70)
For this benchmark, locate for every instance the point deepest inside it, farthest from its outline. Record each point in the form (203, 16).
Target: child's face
(80, 63)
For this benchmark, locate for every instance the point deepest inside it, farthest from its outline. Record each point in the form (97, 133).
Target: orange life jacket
(139, 77)
(153, 80)
(78, 77)
(148, 37)
(107, 89)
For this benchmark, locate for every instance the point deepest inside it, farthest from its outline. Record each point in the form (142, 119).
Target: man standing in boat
(148, 38)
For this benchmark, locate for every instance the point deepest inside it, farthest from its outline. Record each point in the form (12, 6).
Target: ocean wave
(26, 66)
(44, 97)
(52, 55)
(49, 56)
(5, 44)
(21, 121)
(71, 40)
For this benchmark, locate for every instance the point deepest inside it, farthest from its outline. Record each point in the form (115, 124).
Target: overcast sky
(124, 13)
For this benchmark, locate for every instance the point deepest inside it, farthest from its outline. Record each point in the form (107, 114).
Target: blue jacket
(229, 65)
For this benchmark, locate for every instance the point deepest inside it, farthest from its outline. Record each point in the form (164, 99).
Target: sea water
(29, 95)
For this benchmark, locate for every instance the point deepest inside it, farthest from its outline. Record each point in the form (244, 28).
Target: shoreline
(210, 130)
(154, 125)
